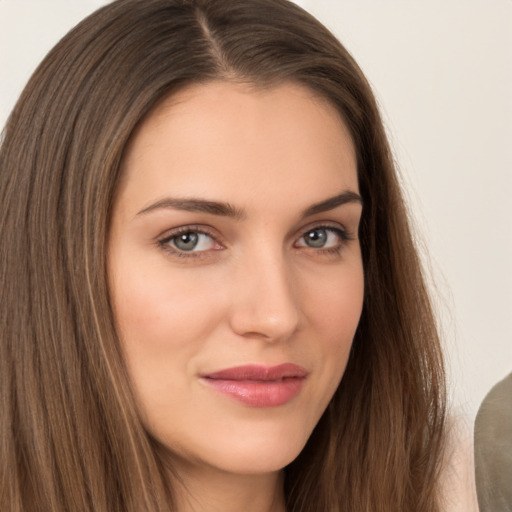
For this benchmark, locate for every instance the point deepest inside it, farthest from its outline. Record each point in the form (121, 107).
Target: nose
(265, 302)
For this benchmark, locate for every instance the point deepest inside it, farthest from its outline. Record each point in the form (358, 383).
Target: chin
(254, 462)
(259, 450)
(261, 461)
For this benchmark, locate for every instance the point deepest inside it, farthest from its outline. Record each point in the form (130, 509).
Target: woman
(203, 235)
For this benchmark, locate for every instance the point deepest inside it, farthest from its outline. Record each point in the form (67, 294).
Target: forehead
(223, 137)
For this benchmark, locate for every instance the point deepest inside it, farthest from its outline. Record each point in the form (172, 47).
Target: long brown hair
(70, 433)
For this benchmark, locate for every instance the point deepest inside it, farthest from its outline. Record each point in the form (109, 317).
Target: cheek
(158, 309)
(334, 303)
(163, 322)
(333, 311)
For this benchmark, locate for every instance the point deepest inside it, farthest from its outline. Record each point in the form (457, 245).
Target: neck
(210, 490)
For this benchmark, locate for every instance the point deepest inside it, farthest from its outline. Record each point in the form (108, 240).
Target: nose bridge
(265, 303)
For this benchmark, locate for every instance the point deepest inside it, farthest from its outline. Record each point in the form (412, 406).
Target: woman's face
(235, 271)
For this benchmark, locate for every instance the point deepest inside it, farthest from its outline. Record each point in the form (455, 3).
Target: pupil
(187, 241)
(316, 238)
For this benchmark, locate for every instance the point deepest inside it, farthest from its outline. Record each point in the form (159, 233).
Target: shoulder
(493, 449)
(457, 478)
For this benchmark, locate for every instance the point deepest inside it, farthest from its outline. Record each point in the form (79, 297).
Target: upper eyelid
(212, 232)
(341, 232)
(333, 225)
(171, 233)
(207, 230)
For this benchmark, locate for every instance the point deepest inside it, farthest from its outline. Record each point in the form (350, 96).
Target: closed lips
(259, 386)
(259, 373)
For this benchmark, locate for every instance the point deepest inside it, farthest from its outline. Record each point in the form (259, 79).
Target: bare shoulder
(457, 479)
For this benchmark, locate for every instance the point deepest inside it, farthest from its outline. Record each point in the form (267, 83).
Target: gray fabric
(493, 449)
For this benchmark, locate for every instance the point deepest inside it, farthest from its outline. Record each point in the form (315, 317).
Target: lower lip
(259, 393)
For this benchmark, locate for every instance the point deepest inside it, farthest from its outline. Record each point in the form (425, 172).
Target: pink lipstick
(259, 386)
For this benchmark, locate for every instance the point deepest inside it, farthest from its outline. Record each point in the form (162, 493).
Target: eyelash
(164, 243)
(200, 230)
(341, 233)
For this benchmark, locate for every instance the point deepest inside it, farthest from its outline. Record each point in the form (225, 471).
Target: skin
(253, 291)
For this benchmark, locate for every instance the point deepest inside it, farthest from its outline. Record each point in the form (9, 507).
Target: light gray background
(442, 71)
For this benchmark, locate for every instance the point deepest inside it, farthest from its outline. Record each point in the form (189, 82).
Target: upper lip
(259, 373)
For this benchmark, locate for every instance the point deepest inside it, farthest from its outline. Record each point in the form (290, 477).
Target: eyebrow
(196, 205)
(228, 210)
(333, 202)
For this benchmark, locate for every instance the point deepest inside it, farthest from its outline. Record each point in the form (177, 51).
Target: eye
(323, 237)
(189, 240)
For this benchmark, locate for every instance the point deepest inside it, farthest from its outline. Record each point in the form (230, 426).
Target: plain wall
(442, 72)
